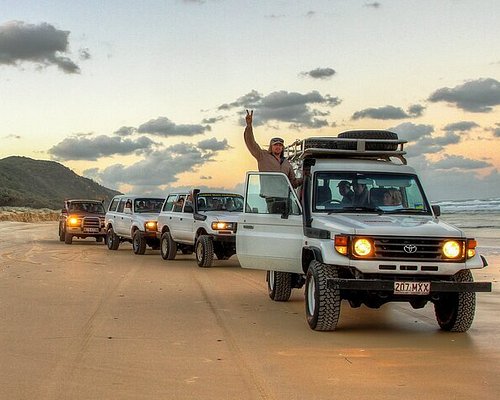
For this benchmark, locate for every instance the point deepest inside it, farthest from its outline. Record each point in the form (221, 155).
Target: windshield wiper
(354, 209)
(405, 211)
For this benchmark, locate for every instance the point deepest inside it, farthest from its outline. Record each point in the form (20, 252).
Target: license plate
(419, 288)
(91, 230)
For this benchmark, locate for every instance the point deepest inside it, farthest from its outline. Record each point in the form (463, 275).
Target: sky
(150, 96)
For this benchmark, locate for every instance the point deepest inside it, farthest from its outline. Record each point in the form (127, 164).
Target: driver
(346, 192)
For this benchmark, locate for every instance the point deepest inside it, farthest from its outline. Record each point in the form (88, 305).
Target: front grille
(408, 249)
(91, 222)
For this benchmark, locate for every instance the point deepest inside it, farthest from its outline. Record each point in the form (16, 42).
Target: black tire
(112, 239)
(99, 239)
(279, 285)
(61, 233)
(455, 311)
(68, 238)
(322, 304)
(204, 251)
(138, 243)
(168, 248)
(386, 135)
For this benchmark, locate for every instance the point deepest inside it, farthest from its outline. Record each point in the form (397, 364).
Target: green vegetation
(25, 182)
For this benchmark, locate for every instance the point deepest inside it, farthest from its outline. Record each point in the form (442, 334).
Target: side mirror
(436, 210)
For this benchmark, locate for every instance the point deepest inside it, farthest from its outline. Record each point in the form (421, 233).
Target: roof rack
(321, 147)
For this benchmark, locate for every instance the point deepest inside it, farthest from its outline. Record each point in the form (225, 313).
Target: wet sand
(82, 322)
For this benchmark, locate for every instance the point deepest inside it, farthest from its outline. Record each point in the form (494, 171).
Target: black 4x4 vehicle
(82, 218)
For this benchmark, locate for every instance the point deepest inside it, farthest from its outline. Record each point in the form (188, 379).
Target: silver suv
(132, 218)
(201, 222)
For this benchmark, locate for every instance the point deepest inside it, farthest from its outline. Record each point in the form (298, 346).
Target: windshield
(371, 192)
(148, 205)
(95, 208)
(220, 202)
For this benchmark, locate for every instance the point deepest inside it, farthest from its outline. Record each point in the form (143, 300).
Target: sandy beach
(82, 322)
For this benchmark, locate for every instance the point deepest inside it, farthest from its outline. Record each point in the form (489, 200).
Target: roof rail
(337, 147)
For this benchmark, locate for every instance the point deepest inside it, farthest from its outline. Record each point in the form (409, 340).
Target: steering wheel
(328, 202)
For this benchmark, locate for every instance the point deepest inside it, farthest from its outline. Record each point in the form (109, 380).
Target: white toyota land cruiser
(361, 230)
(133, 219)
(205, 224)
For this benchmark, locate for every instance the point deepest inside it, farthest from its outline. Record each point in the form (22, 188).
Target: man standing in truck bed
(271, 160)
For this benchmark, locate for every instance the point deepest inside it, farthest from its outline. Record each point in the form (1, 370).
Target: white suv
(202, 222)
(361, 230)
(133, 219)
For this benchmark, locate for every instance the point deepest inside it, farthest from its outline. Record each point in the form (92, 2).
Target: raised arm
(252, 145)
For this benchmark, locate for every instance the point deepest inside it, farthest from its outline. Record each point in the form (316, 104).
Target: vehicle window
(114, 203)
(220, 202)
(148, 205)
(121, 205)
(169, 203)
(179, 204)
(270, 194)
(375, 192)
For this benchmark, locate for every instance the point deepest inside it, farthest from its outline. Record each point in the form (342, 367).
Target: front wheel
(68, 238)
(455, 311)
(322, 303)
(279, 285)
(204, 251)
(168, 248)
(61, 233)
(138, 243)
(112, 239)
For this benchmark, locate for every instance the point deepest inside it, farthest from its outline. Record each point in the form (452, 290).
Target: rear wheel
(168, 248)
(112, 239)
(322, 303)
(138, 243)
(61, 233)
(279, 285)
(204, 251)
(455, 311)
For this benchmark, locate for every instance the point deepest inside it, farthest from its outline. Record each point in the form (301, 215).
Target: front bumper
(388, 286)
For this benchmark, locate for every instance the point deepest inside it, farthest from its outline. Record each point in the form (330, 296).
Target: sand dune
(26, 214)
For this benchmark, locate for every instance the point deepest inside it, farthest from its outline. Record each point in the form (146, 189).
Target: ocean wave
(470, 206)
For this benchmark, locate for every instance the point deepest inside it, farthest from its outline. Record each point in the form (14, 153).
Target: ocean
(479, 219)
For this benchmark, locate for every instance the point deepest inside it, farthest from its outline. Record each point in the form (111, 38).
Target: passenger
(360, 197)
(392, 197)
(272, 159)
(346, 192)
(230, 204)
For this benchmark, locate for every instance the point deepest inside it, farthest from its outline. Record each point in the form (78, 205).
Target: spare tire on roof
(385, 135)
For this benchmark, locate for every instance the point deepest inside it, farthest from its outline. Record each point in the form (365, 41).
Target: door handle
(248, 226)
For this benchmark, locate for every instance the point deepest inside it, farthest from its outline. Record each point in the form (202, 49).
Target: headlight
(222, 226)
(150, 226)
(452, 249)
(73, 221)
(362, 247)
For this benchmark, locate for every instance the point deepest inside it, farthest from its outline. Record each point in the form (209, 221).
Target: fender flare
(310, 253)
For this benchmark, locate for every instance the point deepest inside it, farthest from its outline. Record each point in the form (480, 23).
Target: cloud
(320, 73)
(126, 131)
(429, 144)
(212, 120)
(12, 136)
(310, 14)
(84, 148)
(292, 107)
(162, 126)
(462, 126)
(374, 4)
(496, 131)
(159, 168)
(480, 95)
(42, 44)
(213, 144)
(205, 177)
(389, 112)
(452, 162)
(84, 54)
(411, 132)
